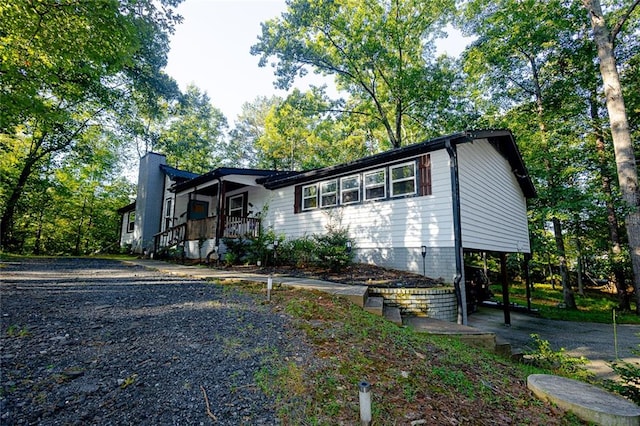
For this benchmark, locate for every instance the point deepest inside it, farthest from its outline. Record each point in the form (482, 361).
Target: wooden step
(374, 305)
(392, 313)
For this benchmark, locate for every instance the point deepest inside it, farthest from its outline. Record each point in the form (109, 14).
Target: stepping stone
(586, 401)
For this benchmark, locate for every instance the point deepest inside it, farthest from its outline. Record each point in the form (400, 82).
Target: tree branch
(618, 26)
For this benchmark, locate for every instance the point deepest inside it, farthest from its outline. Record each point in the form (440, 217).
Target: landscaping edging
(438, 303)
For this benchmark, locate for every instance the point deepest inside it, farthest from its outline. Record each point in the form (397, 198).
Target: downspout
(216, 246)
(219, 214)
(458, 281)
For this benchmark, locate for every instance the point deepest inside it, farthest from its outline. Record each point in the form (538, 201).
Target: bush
(557, 361)
(298, 253)
(325, 251)
(332, 249)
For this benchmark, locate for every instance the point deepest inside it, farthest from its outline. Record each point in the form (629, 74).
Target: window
(375, 185)
(131, 221)
(403, 179)
(167, 214)
(350, 189)
(329, 193)
(235, 206)
(309, 197)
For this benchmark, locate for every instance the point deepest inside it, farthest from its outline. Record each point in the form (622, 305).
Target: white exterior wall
(389, 232)
(126, 237)
(493, 208)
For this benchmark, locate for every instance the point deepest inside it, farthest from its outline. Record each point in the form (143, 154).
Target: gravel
(90, 341)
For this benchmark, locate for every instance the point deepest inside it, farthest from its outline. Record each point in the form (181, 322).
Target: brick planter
(438, 303)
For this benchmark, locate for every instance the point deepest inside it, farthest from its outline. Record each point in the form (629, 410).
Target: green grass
(413, 375)
(593, 306)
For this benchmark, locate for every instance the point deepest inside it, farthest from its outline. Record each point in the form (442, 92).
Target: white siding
(389, 232)
(492, 206)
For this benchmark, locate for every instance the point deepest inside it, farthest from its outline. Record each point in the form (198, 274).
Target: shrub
(557, 361)
(629, 385)
(322, 250)
(332, 249)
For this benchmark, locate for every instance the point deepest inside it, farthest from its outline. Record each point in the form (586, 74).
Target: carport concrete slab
(586, 401)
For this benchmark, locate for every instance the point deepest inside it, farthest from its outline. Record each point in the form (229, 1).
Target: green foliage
(380, 53)
(67, 68)
(193, 140)
(543, 356)
(331, 249)
(322, 250)
(629, 384)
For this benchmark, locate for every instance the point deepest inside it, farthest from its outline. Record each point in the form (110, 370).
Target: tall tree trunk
(567, 292)
(615, 250)
(620, 133)
(6, 222)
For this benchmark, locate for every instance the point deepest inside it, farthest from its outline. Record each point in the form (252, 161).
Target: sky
(210, 49)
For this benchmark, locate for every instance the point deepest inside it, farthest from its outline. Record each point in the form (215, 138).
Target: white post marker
(269, 287)
(365, 404)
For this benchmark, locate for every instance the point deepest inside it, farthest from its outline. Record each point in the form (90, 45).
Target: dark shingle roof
(503, 140)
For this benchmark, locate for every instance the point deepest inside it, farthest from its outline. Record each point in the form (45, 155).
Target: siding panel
(493, 207)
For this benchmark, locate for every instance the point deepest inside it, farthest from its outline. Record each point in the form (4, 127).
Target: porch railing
(233, 227)
(170, 237)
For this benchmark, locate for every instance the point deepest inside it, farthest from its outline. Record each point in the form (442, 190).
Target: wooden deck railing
(233, 227)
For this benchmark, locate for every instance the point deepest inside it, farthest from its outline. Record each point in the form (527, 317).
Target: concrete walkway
(355, 293)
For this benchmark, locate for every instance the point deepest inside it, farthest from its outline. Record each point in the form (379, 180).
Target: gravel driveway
(88, 341)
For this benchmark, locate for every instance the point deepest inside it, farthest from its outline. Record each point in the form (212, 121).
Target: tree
(604, 38)
(242, 149)
(64, 64)
(379, 51)
(306, 131)
(518, 61)
(193, 139)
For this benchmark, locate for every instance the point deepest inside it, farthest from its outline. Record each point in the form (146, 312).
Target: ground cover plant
(414, 377)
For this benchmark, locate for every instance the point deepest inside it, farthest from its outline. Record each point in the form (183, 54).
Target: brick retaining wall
(438, 303)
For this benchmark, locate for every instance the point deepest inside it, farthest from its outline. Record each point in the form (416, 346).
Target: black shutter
(297, 199)
(424, 166)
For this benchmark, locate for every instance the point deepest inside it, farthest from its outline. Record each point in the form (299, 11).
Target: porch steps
(374, 305)
(392, 313)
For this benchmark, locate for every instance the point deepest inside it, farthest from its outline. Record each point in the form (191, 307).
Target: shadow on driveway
(590, 340)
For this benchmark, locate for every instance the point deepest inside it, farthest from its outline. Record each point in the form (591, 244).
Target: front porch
(209, 228)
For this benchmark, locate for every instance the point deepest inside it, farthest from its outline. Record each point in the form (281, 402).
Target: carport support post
(527, 259)
(505, 289)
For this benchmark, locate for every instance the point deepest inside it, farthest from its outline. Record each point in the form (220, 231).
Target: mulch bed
(356, 274)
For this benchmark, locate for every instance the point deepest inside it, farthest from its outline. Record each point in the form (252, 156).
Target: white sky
(211, 50)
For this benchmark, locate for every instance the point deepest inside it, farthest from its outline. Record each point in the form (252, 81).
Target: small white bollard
(365, 404)
(269, 287)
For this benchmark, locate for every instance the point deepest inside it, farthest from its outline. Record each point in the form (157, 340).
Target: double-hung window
(168, 214)
(236, 206)
(350, 189)
(375, 185)
(403, 179)
(131, 221)
(329, 193)
(309, 197)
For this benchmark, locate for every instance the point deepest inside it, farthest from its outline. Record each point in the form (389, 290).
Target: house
(414, 208)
